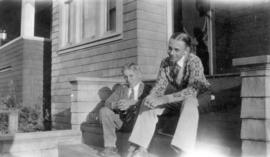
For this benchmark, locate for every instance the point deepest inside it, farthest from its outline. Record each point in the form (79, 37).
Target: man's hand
(124, 104)
(153, 102)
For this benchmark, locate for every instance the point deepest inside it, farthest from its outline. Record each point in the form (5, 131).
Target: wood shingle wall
(23, 59)
(142, 42)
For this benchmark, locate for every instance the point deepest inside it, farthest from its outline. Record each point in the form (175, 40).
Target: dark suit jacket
(129, 116)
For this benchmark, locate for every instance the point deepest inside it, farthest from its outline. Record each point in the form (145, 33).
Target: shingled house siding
(152, 35)
(143, 42)
(11, 56)
(33, 72)
(103, 60)
(24, 57)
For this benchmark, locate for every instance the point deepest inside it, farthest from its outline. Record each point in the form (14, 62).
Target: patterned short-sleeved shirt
(189, 80)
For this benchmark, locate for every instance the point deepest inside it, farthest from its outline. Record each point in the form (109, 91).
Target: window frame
(80, 42)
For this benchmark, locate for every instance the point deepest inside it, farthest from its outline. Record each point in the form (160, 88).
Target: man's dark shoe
(109, 152)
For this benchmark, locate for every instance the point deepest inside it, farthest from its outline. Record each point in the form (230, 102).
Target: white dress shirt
(180, 63)
(136, 91)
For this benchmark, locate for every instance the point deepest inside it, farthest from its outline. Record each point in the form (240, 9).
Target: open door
(195, 17)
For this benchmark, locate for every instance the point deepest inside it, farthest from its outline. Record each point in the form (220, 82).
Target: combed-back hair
(131, 66)
(182, 37)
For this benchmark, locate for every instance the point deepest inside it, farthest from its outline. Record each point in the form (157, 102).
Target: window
(90, 21)
(111, 23)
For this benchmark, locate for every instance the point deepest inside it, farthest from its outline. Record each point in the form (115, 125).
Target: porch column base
(255, 110)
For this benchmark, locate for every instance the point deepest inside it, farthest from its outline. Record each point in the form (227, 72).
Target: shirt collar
(136, 87)
(135, 90)
(180, 63)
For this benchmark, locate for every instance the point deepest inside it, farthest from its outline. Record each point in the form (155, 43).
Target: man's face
(131, 77)
(177, 49)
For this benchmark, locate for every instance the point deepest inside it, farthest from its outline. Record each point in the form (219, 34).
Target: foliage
(10, 100)
(3, 124)
(30, 119)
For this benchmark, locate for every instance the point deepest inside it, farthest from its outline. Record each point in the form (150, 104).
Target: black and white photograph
(134, 78)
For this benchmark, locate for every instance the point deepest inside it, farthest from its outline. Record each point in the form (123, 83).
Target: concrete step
(78, 150)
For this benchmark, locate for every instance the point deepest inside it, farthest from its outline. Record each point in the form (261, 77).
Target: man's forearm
(181, 95)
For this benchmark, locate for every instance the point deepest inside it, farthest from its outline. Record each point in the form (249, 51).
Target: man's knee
(190, 101)
(149, 114)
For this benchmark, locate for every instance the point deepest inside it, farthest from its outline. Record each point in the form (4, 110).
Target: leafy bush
(30, 119)
(3, 124)
(10, 100)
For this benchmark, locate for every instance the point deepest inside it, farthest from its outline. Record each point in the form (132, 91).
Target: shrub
(30, 119)
(3, 124)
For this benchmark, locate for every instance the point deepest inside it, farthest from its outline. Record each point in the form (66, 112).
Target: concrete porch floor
(78, 150)
(82, 150)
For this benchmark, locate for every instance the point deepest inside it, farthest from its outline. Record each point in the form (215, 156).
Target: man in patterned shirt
(184, 71)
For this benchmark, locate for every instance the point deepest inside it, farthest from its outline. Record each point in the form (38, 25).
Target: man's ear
(188, 49)
(140, 76)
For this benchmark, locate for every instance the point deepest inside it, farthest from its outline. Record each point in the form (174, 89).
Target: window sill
(5, 69)
(90, 43)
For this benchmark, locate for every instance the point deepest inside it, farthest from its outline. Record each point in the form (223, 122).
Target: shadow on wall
(91, 128)
(104, 93)
(62, 120)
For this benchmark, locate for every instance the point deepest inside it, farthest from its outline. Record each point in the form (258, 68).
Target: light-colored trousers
(110, 123)
(186, 131)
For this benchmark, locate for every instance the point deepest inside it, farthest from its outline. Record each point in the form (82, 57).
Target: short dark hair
(131, 66)
(182, 37)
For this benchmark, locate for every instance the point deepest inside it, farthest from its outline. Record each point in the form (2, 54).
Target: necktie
(176, 70)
